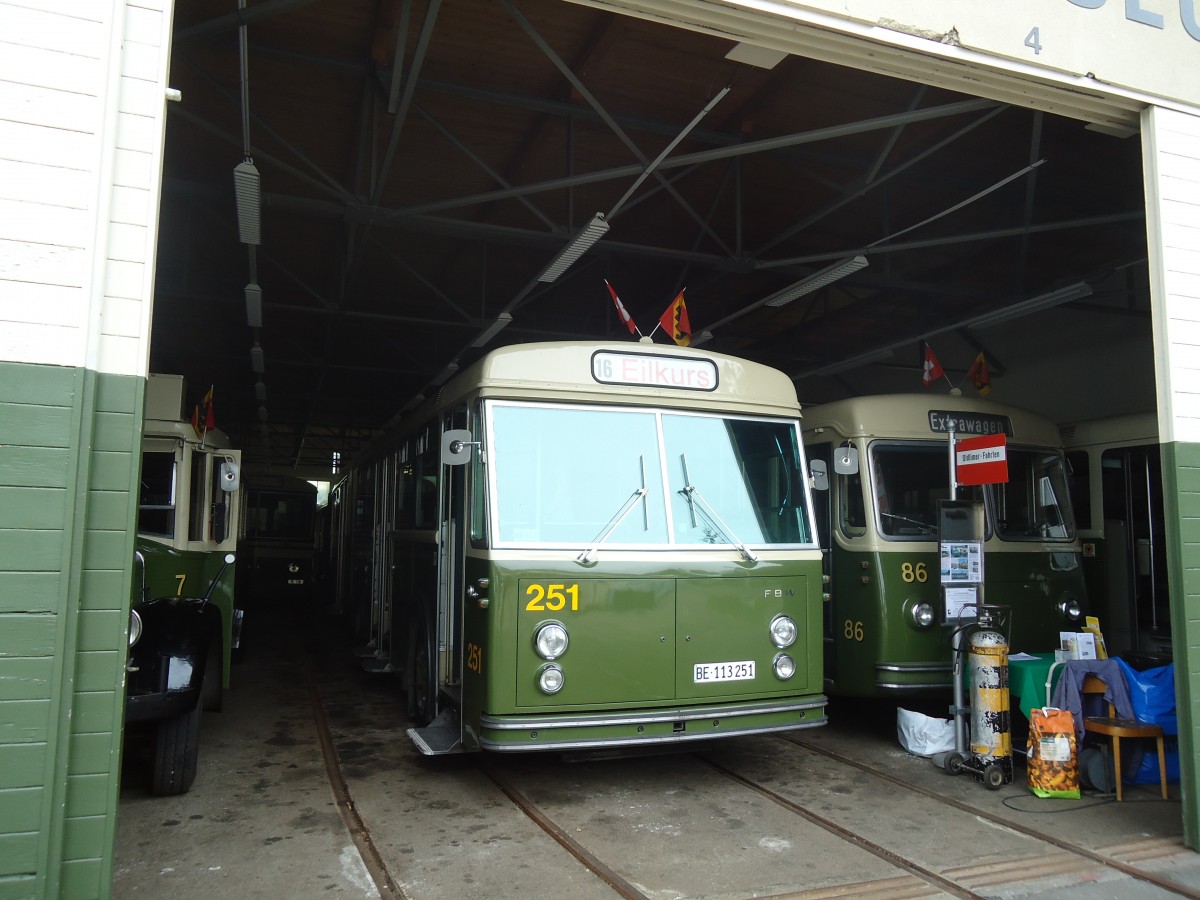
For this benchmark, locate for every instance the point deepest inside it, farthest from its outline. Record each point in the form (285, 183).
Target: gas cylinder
(991, 739)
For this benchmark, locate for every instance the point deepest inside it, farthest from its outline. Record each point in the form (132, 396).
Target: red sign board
(981, 460)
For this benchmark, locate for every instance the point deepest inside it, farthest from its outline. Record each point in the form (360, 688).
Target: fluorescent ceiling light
(260, 392)
(588, 235)
(753, 55)
(502, 321)
(1035, 304)
(257, 361)
(253, 305)
(248, 192)
(262, 414)
(855, 362)
(817, 280)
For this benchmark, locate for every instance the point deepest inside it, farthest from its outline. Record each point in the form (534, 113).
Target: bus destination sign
(651, 370)
(943, 421)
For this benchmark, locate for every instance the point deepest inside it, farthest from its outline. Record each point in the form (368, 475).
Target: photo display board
(960, 550)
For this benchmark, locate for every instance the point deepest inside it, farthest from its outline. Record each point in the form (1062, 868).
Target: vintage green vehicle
(886, 465)
(183, 620)
(590, 546)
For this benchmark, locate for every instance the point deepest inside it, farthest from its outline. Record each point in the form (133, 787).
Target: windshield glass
(748, 478)
(907, 481)
(1035, 503)
(576, 476)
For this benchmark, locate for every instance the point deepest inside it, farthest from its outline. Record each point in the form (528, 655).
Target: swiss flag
(933, 369)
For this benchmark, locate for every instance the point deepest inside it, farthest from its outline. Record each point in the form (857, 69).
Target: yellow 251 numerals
(552, 597)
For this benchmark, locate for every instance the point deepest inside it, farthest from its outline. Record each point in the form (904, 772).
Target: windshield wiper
(696, 501)
(618, 518)
(925, 528)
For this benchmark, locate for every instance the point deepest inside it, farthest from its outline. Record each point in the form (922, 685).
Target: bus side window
(850, 498)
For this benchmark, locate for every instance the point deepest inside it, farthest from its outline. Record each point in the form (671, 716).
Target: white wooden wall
(82, 114)
(1171, 154)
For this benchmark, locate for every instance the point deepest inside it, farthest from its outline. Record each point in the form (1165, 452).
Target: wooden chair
(1121, 728)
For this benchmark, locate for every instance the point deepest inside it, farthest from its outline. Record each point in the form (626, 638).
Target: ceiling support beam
(703, 156)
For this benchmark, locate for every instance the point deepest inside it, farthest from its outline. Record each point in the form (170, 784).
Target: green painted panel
(94, 712)
(113, 471)
(87, 795)
(24, 721)
(108, 550)
(114, 432)
(101, 630)
(91, 754)
(18, 888)
(99, 671)
(33, 508)
(33, 467)
(107, 510)
(27, 635)
(82, 836)
(38, 551)
(105, 589)
(35, 426)
(84, 879)
(25, 592)
(39, 385)
(20, 810)
(122, 394)
(26, 677)
(22, 765)
(18, 853)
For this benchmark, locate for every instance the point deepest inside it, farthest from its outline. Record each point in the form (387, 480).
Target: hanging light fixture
(247, 191)
(816, 281)
(580, 244)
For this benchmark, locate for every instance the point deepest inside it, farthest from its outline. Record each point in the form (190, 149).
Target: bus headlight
(784, 666)
(923, 615)
(1071, 609)
(135, 627)
(783, 631)
(550, 640)
(550, 679)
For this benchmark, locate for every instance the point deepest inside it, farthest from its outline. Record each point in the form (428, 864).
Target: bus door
(1133, 525)
(819, 456)
(444, 733)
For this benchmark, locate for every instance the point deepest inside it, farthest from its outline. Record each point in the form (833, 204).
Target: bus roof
(1133, 429)
(626, 372)
(925, 416)
(183, 431)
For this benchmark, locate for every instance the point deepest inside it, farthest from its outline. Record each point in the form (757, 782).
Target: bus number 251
(551, 597)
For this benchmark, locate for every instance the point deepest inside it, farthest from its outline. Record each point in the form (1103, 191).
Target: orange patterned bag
(1052, 763)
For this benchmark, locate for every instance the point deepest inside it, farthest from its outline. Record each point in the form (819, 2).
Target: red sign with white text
(981, 460)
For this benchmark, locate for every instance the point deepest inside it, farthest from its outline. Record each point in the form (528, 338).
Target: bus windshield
(909, 478)
(576, 476)
(1035, 502)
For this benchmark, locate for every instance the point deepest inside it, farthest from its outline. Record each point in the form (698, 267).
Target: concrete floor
(262, 819)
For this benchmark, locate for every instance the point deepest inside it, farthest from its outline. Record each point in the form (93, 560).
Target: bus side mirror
(845, 460)
(231, 477)
(818, 474)
(456, 446)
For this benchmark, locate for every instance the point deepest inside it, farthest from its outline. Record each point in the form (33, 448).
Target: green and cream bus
(589, 545)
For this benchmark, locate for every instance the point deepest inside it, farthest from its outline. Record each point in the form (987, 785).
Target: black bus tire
(176, 751)
(421, 690)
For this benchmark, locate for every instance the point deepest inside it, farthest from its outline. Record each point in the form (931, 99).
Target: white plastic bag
(924, 735)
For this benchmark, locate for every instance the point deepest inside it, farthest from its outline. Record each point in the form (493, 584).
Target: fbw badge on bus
(981, 460)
